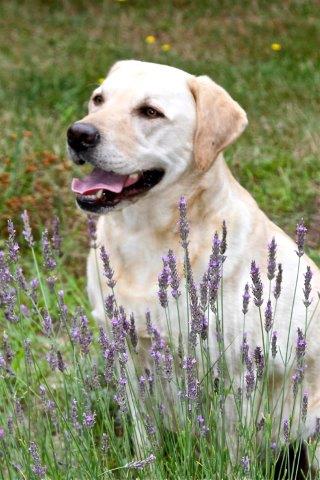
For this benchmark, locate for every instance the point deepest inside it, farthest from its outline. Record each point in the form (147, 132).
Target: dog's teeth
(99, 193)
(134, 176)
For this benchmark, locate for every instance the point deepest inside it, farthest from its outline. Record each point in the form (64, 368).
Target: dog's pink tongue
(99, 179)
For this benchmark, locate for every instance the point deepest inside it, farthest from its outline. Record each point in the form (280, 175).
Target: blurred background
(266, 54)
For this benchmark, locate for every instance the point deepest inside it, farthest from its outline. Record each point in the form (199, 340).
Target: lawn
(266, 54)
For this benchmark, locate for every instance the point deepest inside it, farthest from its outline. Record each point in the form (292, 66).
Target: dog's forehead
(146, 78)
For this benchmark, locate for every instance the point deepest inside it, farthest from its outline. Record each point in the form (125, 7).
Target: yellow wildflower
(150, 39)
(166, 47)
(276, 47)
(100, 80)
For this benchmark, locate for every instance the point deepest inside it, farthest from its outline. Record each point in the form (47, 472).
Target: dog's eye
(98, 99)
(150, 112)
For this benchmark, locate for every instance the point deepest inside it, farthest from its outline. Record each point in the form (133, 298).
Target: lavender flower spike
(272, 250)
(89, 419)
(48, 259)
(183, 222)
(304, 407)
(37, 468)
(245, 299)
(174, 278)
(268, 317)
(274, 348)
(163, 282)
(286, 431)
(56, 237)
(245, 463)
(301, 345)
(257, 287)
(140, 464)
(301, 232)
(13, 247)
(307, 287)
(277, 288)
(107, 270)
(26, 232)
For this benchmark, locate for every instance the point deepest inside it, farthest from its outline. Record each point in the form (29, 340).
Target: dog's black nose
(82, 136)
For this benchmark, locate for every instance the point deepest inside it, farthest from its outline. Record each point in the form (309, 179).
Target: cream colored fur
(201, 121)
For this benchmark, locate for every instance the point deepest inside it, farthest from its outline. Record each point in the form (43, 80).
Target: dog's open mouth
(101, 190)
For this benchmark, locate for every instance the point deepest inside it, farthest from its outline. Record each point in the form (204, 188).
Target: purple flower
(272, 250)
(63, 309)
(304, 407)
(52, 359)
(163, 282)
(150, 380)
(74, 415)
(142, 386)
(268, 317)
(109, 304)
(37, 468)
(141, 464)
(47, 323)
(133, 332)
(120, 396)
(109, 357)
(307, 287)
(245, 299)
(301, 344)
(168, 364)
(183, 222)
(89, 419)
(150, 428)
(223, 244)
(60, 363)
(32, 290)
(204, 291)
(189, 364)
(259, 360)
(286, 431)
(245, 464)
(204, 430)
(13, 247)
(277, 288)
(301, 232)
(48, 260)
(2, 433)
(56, 237)
(257, 287)
(107, 270)
(250, 382)
(174, 278)
(80, 332)
(51, 281)
(274, 347)
(24, 310)
(26, 232)
(245, 350)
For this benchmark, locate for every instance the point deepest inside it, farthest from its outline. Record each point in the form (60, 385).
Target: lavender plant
(71, 391)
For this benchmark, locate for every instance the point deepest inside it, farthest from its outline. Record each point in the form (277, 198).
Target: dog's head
(147, 125)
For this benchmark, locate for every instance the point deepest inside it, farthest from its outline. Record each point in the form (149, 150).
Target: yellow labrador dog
(155, 133)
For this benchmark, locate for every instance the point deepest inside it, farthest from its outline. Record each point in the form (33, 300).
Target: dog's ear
(220, 120)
